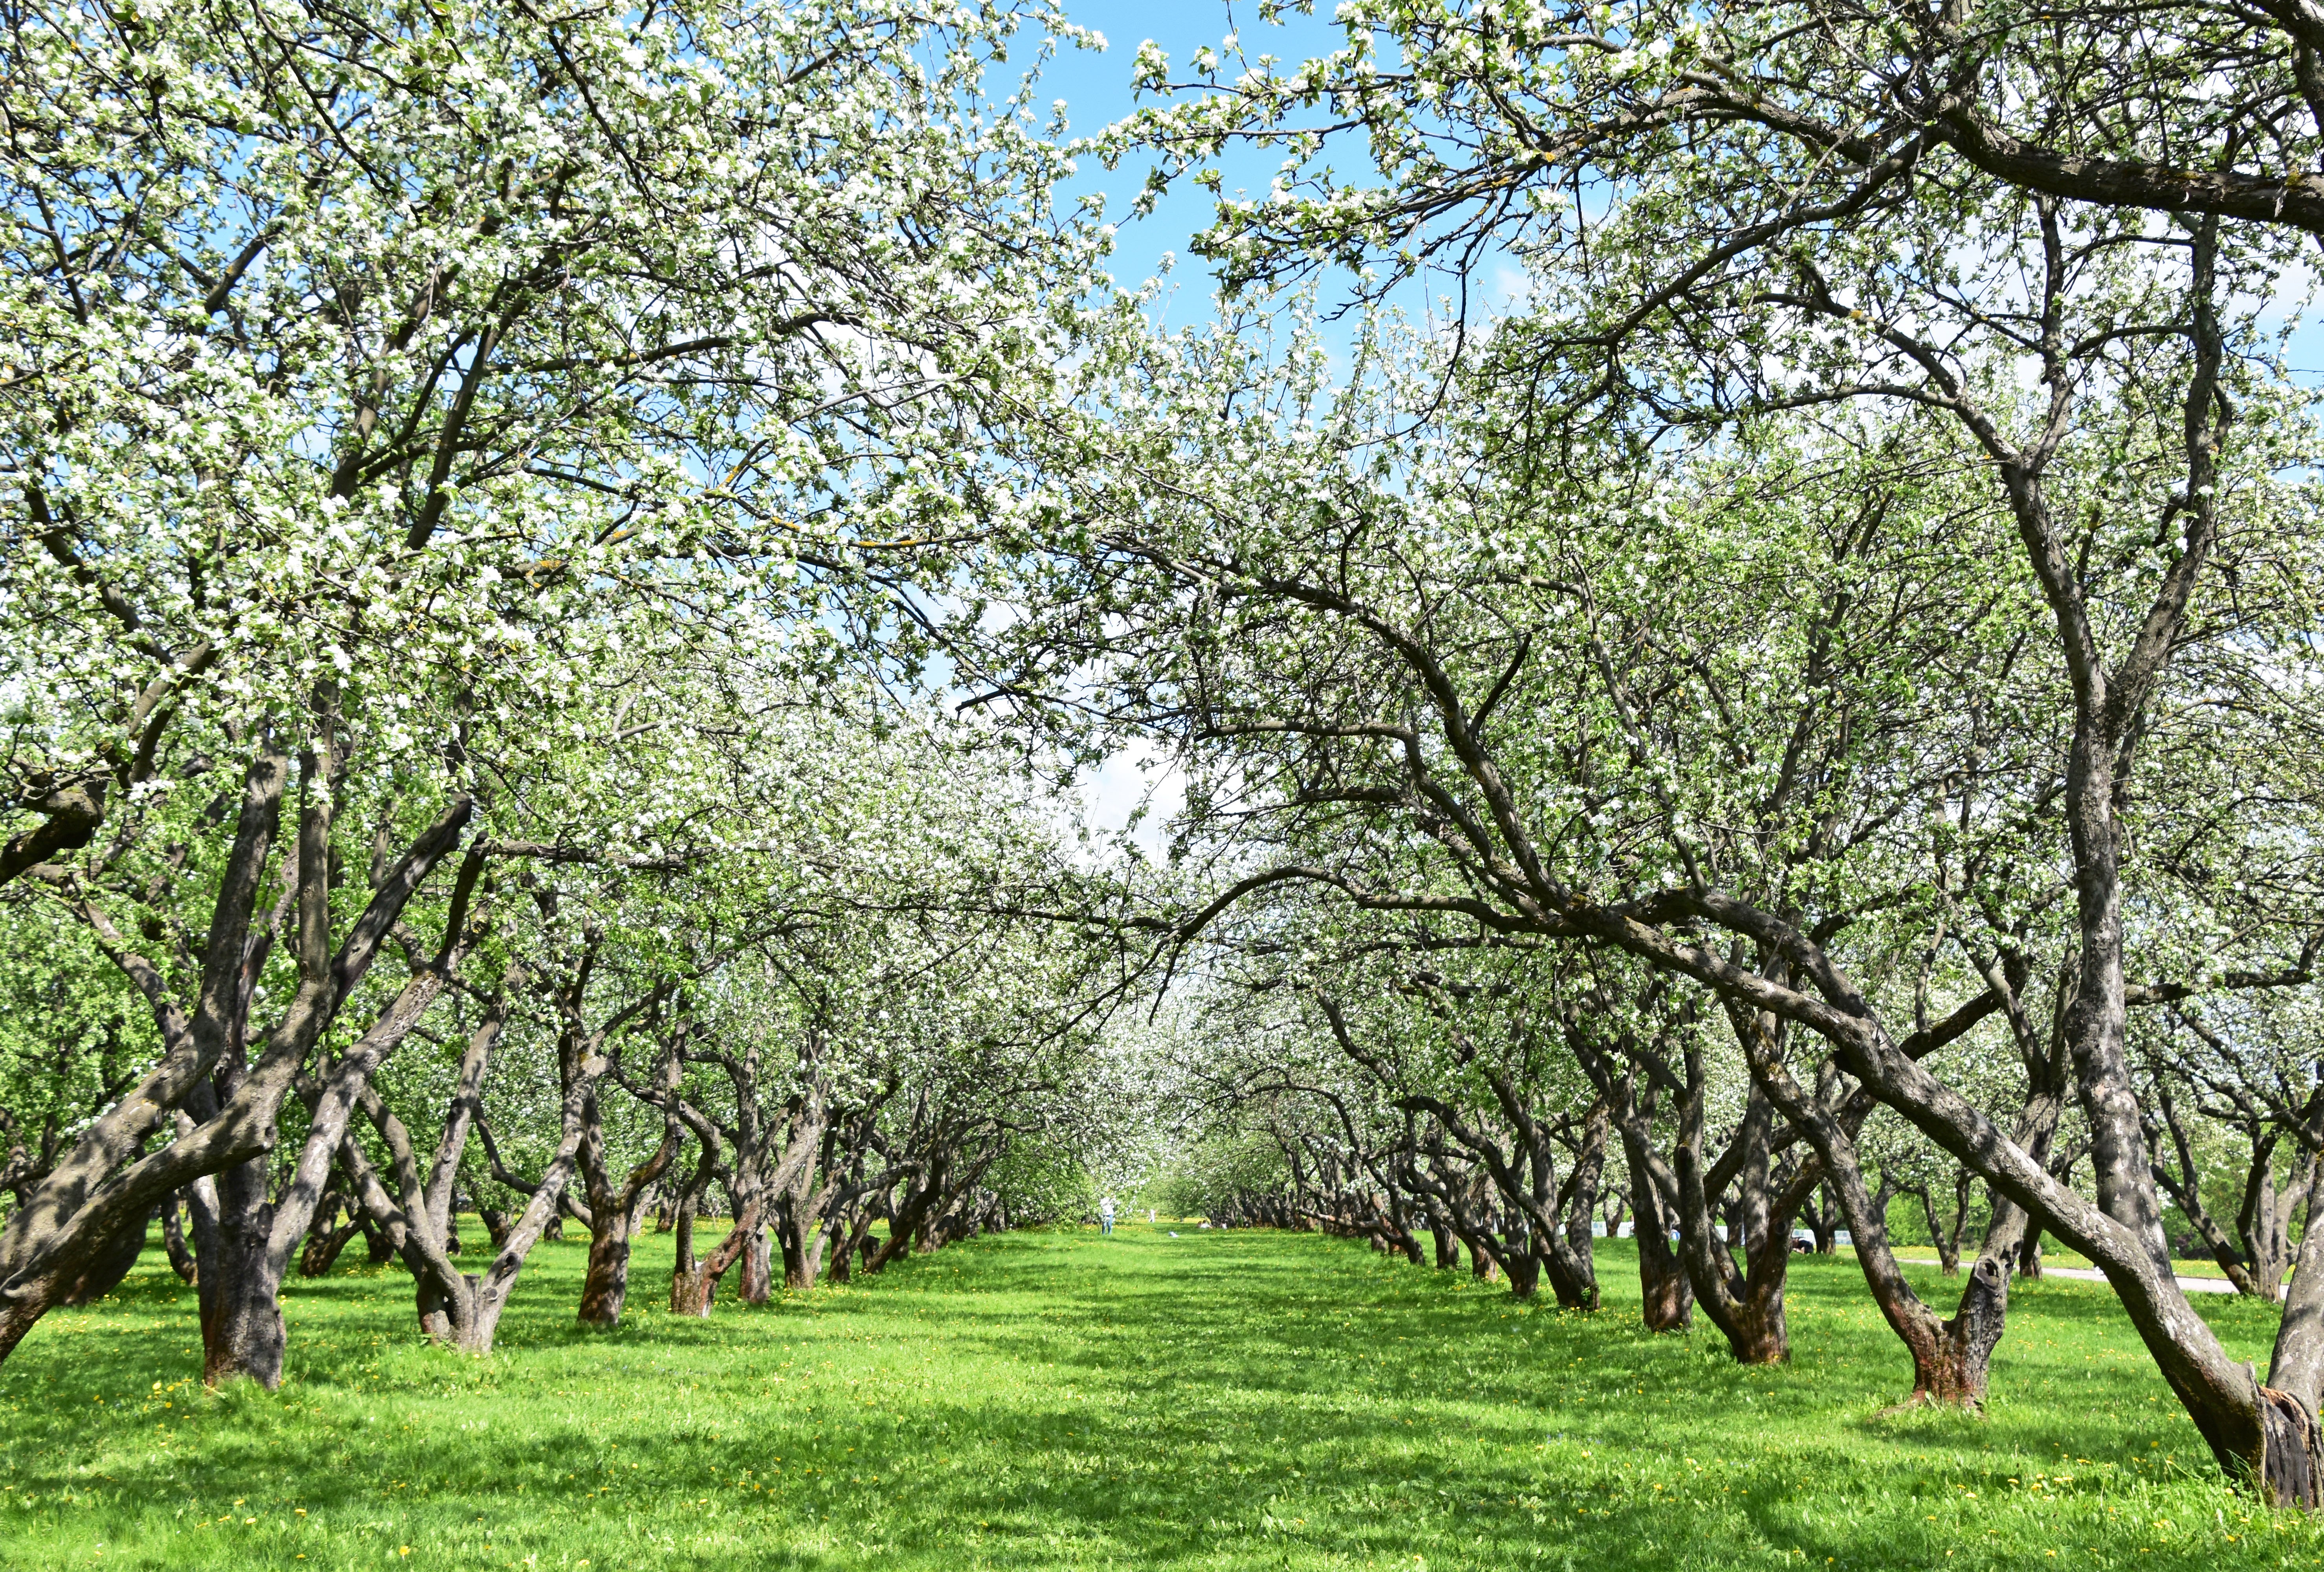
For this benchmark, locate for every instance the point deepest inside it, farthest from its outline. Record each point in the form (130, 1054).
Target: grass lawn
(1254, 1399)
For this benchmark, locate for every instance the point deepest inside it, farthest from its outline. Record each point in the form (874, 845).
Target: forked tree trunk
(463, 1309)
(615, 1212)
(606, 1289)
(78, 1208)
(801, 1264)
(1680, 1193)
(1952, 1366)
(2263, 1220)
(1945, 1237)
(691, 1284)
(1950, 1358)
(1666, 1297)
(325, 1243)
(85, 1202)
(1563, 1224)
(694, 1282)
(1522, 1267)
(1747, 1307)
(243, 1333)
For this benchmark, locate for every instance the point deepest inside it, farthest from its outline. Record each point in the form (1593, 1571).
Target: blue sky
(1096, 89)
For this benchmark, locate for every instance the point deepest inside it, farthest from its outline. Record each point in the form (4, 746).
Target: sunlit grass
(1215, 1400)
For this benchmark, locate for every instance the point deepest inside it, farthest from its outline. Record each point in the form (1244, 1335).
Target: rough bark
(1950, 1358)
(758, 1283)
(1747, 1306)
(173, 1239)
(2297, 1365)
(103, 1271)
(1666, 1295)
(462, 1309)
(245, 1336)
(614, 1211)
(84, 1198)
(72, 809)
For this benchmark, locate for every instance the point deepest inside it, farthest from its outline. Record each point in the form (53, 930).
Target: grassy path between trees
(1254, 1400)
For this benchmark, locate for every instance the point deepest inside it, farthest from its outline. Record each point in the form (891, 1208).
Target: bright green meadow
(1247, 1400)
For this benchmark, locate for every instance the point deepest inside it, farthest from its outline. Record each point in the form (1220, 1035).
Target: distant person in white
(1105, 1215)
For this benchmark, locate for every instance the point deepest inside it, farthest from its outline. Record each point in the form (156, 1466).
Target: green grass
(1256, 1400)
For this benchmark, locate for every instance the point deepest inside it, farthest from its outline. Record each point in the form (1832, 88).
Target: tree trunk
(1567, 1247)
(690, 1292)
(239, 1100)
(323, 1246)
(2295, 1375)
(1747, 1307)
(173, 1239)
(1947, 1239)
(1447, 1248)
(606, 1288)
(245, 1336)
(1821, 1226)
(103, 1273)
(1667, 1298)
(1521, 1264)
(78, 1206)
(1953, 1368)
(758, 1268)
(799, 1270)
(464, 1308)
(1950, 1358)
(242, 1320)
(615, 1214)
(326, 1236)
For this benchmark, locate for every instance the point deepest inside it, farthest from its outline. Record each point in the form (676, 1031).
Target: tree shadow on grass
(1238, 1400)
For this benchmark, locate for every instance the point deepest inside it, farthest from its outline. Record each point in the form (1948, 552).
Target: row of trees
(1431, 1114)
(1841, 638)
(828, 1025)
(461, 742)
